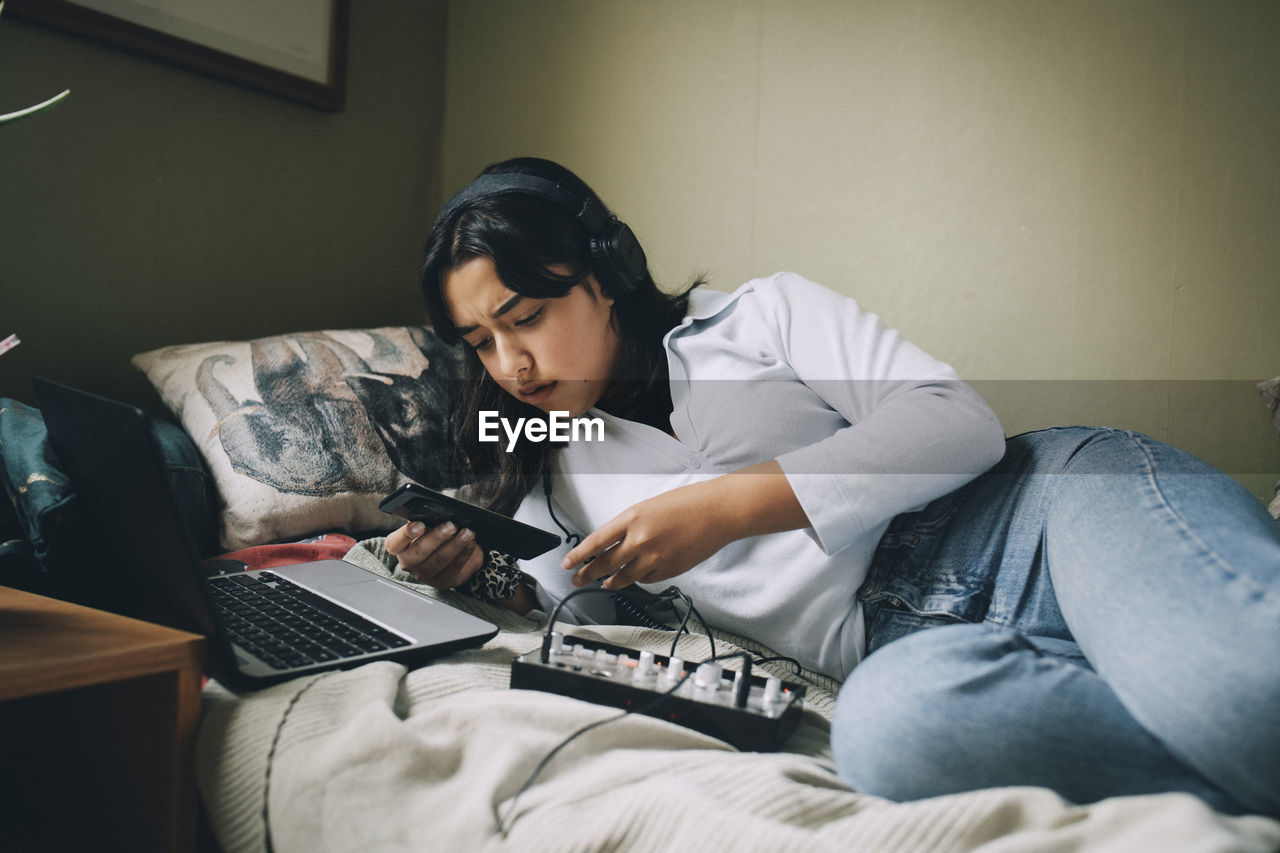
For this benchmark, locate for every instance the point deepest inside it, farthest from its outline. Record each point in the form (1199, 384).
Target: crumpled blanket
(381, 759)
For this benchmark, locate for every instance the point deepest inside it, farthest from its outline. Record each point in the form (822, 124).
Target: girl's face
(555, 354)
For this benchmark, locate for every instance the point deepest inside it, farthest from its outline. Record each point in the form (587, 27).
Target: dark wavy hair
(541, 251)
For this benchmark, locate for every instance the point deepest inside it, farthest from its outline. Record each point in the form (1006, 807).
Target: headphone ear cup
(618, 259)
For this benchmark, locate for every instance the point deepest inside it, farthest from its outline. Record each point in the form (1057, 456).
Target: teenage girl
(1102, 610)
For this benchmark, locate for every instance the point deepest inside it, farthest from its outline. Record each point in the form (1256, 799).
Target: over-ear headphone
(617, 259)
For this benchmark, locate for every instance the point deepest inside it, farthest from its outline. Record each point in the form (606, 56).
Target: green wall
(156, 206)
(1074, 202)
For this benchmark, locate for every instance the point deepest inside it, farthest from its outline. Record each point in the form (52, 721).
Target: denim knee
(898, 712)
(963, 707)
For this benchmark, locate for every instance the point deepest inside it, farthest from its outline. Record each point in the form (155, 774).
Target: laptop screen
(113, 458)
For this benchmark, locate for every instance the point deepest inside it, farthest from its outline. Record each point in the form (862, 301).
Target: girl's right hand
(444, 557)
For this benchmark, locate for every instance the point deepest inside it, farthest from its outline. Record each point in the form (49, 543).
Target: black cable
(784, 658)
(689, 610)
(632, 610)
(668, 595)
(629, 607)
(504, 826)
(675, 641)
(706, 629)
(555, 612)
(627, 602)
(572, 538)
(620, 599)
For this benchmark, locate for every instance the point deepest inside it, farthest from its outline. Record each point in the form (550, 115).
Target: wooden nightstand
(98, 718)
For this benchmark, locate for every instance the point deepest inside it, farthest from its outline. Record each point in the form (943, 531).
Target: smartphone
(496, 532)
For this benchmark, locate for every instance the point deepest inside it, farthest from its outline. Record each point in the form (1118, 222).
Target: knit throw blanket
(384, 759)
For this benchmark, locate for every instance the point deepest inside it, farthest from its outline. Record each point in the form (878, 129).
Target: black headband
(583, 208)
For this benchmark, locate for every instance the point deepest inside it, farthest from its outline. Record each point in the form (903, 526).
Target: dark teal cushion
(192, 486)
(47, 546)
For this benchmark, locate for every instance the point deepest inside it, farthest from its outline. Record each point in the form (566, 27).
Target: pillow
(1270, 391)
(304, 433)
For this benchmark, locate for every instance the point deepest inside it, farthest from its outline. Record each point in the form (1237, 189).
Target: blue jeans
(1107, 614)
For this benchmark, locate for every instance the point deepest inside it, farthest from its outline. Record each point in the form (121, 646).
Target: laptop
(262, 626)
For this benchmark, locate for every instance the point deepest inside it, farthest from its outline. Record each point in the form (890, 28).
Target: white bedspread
(380, 759)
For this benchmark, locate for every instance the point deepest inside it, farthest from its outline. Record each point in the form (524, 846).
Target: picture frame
(295, 49)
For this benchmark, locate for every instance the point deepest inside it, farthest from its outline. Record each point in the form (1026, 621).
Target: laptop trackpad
(385, 601)
(381, 601)
(324, 575)
(354, 588)
(420, 617)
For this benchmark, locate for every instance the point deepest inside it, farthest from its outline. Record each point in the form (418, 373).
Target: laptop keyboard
(287, 627)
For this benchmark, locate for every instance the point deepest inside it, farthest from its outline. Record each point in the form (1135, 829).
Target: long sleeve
(914, 430)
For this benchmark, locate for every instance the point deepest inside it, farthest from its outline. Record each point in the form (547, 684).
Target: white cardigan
(864, 424)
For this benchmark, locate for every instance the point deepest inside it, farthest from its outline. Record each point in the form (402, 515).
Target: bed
(443, 757)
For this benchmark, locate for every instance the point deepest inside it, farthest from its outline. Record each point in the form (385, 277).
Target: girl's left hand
(653, 540)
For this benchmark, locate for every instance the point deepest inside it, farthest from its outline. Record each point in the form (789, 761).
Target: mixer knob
(708, 675)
